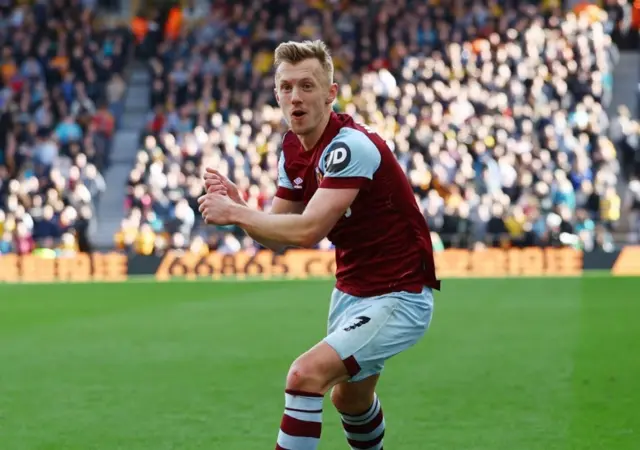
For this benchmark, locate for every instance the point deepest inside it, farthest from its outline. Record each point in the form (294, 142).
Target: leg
(362, 335)
(317, 370)
(309, 378)
(361, 413)
(352, 398)
(370, 332)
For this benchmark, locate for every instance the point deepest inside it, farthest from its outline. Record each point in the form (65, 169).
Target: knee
(348, 402)
(304, 376)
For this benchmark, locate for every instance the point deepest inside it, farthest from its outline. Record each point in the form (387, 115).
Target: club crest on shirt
(319, 175)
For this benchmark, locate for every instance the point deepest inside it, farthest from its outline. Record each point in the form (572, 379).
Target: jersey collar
(331, 130)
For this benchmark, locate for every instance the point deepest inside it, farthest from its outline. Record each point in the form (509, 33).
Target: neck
(310, 140)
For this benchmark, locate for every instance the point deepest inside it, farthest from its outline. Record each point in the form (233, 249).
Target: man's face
(304, 94)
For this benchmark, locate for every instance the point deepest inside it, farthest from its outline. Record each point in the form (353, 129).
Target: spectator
(625, 135)
(496, 111)
(585, 229)
(56, 72)
(610, 208)
(632, 207)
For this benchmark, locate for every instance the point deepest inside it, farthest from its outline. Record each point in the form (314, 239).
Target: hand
(216, 183)
(216, 208)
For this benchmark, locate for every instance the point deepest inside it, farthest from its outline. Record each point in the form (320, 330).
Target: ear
(333, 93)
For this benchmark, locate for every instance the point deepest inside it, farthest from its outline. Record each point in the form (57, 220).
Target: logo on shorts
(359, 321)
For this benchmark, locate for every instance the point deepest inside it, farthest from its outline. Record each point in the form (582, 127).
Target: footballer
(338, 179)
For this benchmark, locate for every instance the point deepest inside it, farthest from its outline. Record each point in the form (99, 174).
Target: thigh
(365, 332)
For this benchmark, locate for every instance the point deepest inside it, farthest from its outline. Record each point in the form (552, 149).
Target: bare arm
(300, 230)
(348, 164)
(279, 206)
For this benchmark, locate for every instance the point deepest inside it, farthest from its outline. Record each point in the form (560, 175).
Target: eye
(307, 86)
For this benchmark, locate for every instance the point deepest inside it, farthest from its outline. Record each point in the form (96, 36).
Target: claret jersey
(382, 242)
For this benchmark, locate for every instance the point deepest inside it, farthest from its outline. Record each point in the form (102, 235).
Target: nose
(295, 96)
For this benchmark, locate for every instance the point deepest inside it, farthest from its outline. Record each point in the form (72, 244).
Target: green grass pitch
(511, 364)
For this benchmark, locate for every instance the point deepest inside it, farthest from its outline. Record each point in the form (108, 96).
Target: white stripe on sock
(297, 443)
(366, 417)
(301, 402)
(305, 416)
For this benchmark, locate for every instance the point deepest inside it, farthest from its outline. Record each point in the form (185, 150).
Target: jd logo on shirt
(338, 157)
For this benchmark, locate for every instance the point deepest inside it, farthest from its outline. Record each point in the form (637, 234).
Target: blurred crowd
(61, 92)
(496, 110)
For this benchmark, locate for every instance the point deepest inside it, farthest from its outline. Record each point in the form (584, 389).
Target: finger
(218, 190)
(202, 198)
(212, 176)
(216, 182)
(209, 181)
(213, 171)
(214, 186)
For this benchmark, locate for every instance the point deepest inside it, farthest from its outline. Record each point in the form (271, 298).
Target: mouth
(298, 114)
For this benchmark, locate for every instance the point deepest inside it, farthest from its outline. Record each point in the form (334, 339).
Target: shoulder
(350, 123)
(351, 147)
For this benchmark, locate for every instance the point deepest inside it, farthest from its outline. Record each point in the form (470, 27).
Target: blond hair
(294, 52)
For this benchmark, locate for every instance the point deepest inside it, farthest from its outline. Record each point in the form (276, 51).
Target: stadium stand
(497, 112)
(61, 85)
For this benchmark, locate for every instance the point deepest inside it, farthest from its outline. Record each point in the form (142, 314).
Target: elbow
(269, 246)
(309, 238)
(311, 231)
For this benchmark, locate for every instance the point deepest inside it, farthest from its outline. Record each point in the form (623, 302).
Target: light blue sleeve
(350, 154)
(283, 178)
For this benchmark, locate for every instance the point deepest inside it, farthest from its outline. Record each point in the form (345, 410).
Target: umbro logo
(297, 183)
(359, 321)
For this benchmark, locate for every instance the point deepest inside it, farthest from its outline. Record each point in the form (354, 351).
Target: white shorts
(368, 331)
